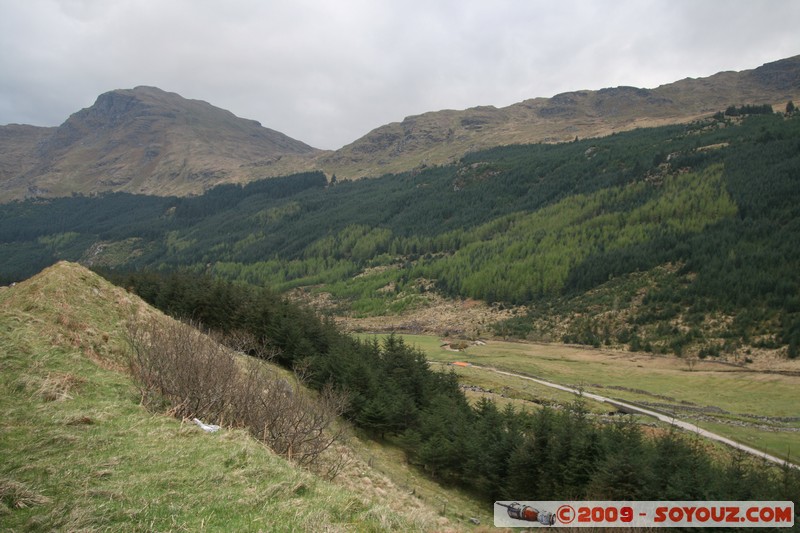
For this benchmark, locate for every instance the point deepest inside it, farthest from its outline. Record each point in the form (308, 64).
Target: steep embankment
(78, 451)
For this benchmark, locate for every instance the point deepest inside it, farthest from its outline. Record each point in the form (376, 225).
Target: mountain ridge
(443, 136)
(149, 141)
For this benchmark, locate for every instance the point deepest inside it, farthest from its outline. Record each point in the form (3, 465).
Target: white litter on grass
(211, 428)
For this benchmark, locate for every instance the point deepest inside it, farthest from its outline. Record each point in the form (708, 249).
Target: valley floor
(753, 404)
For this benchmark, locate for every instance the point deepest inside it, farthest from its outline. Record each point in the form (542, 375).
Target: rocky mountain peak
(147, 140)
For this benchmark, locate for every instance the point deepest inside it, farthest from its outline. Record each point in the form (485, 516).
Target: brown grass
(57, 386)
(438, 316)
(15, 495)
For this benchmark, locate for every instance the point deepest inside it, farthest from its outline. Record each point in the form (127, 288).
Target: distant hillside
(18, 144)
(142, 140)
(443, 136)
(680, 239)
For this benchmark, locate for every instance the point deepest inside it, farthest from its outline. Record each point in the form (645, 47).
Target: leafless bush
(176, 363)
(247, 343)
(286, 416)
(185, 371)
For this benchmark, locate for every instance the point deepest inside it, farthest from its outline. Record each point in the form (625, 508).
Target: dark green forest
(495, 453)
(702, 218)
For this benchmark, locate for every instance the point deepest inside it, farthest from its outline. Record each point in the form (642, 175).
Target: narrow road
(660, 416)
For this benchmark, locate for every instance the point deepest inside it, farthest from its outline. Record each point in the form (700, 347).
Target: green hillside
(680, 239)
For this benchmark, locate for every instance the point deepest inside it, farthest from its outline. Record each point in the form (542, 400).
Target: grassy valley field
(757, 407)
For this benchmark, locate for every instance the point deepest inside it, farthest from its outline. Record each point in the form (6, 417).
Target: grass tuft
(57, 387)
(15, 495)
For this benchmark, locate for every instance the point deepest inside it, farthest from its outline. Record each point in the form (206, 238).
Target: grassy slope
(78, 452)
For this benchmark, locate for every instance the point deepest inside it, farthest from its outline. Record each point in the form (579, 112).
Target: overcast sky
(328, 71)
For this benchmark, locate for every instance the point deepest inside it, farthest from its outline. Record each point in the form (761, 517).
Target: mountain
(143, 140)
(18, 144)
(444, 136)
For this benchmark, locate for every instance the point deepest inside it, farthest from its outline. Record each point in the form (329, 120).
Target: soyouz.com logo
(644, 514)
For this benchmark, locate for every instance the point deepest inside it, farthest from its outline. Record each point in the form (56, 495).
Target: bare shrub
(287, 417)
(177, 364)
(246, 343)
(336, 460)
(186, 372)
